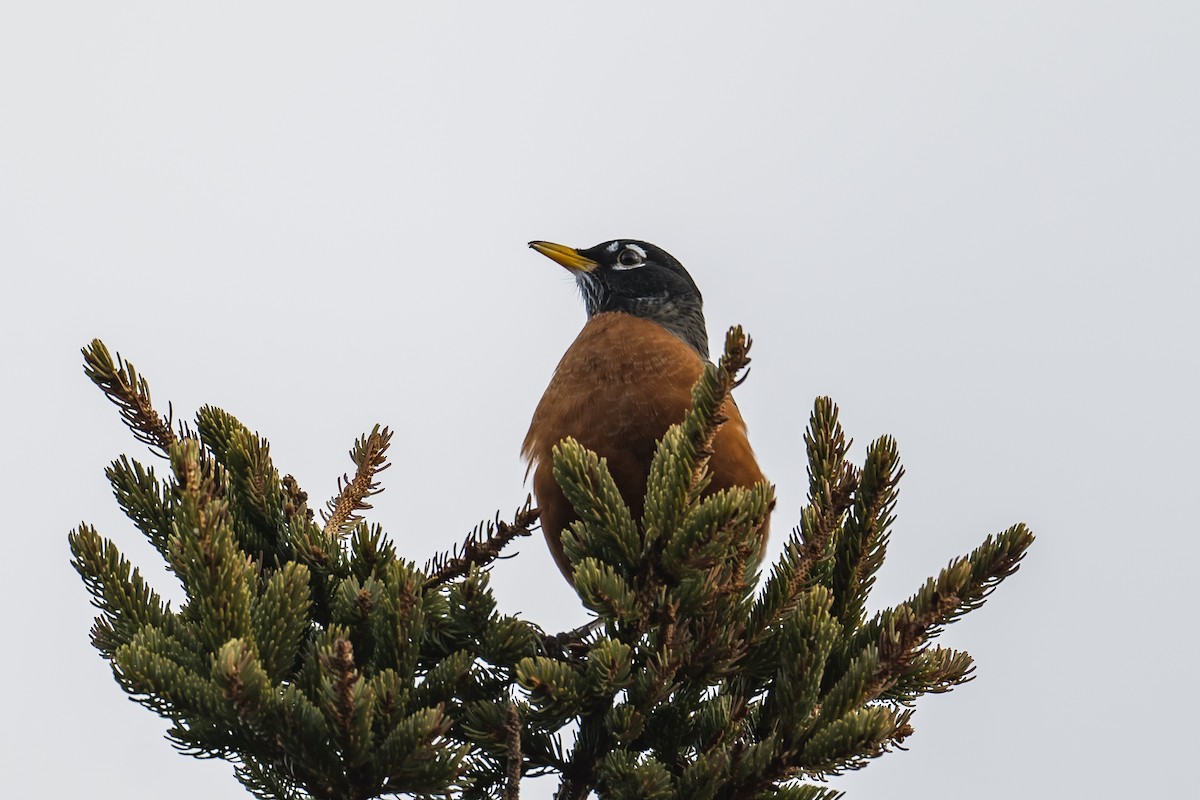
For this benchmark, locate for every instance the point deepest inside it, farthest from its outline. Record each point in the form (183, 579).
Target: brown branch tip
(736, 356)
(130, 392)
(370, 457)
(481, 547)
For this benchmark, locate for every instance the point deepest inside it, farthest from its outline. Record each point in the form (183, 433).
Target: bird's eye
(629, 258)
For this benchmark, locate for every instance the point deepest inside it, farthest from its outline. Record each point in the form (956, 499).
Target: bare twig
(512, 731)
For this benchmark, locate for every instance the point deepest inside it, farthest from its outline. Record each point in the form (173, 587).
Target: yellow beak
(569, 257)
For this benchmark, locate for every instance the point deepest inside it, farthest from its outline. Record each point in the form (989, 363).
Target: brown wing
(617, 389)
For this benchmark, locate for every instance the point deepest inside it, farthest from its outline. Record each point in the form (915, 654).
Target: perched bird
(626, 378)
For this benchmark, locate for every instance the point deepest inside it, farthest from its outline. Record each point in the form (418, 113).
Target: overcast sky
(973, 225)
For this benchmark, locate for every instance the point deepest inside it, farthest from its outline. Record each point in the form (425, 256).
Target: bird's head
(636, 278)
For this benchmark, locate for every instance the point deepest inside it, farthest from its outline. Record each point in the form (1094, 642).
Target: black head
(636, 278)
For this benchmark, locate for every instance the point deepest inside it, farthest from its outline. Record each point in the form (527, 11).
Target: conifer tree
(322, 665)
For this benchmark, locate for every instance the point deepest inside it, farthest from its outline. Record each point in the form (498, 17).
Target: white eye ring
(629, 259)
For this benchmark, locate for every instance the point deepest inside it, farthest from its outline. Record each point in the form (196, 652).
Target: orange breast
(617, 389)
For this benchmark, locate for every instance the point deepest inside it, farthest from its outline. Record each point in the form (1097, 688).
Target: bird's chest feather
(620, 385)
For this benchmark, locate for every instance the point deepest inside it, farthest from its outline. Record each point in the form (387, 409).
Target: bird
(627, 378)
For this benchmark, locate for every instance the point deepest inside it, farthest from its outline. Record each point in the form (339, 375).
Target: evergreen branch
(664, 652)
(390, 605)
(849, 742)
(716, 526)
(826, 445)
(130, 392)
(705, 419)
(155, 669)
(257, 493)
(679, 468)
(808, 546)
(481, 547)
(443, 678)
(280, 616)
(960, 587)
(143, 500)
(264, 781)
(370, 457)
(934, 670)
(416, 758)
(605, 529)
(819, 524)
(800, 791)
(967, 581)
(603, 590)
(851, 691)
(833, 483)
(578, 773)
(339, 662)
(609, 667)
(126, 602)
(832, 486)
(239, 672)
(863, 544)
(349, 706)
(371, 551)
(686, 448)
(216, 573)
(807, 636)
(556, 689)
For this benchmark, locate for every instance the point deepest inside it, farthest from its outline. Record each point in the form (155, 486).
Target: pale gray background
(974, 225)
